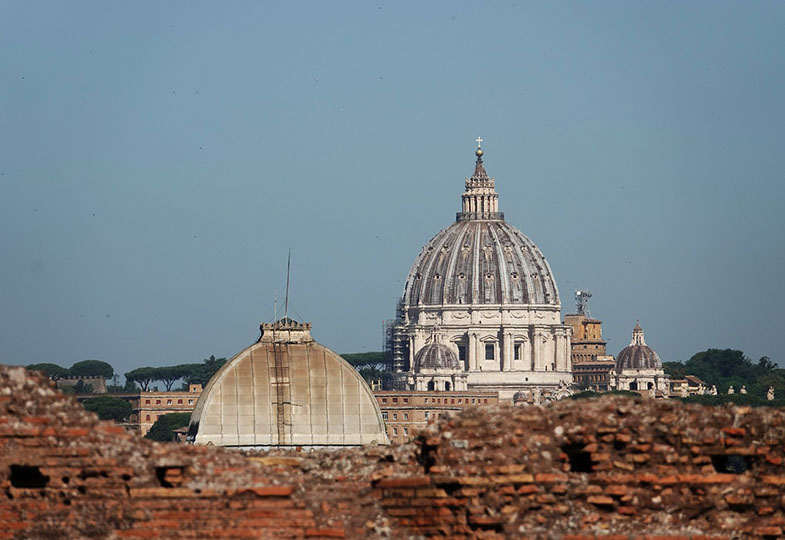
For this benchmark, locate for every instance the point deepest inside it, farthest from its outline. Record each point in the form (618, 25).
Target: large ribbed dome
(637, 355)
(480, 262)
(480, 259)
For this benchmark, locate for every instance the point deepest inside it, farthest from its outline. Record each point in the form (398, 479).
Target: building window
(489, 351)
(426, 400)
(147, 417)
(168, 401)
(405, 416)
(395, 400)
(384, 415)
(517, 351)
(179, 401)
(190, 402)
(453, 401)
(406, 431)
(395, 416)
(406, 400)
(157, 401)
(486, 400)
(395, 431)
(147, 402)
(384, 400)
(427, 415)
(461, 352)
(460, 401)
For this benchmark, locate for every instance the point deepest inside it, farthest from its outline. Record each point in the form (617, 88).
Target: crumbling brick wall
(576, 469)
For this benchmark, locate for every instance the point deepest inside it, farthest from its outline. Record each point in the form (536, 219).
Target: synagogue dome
(480, 259)
(637, 355)
(436, 356)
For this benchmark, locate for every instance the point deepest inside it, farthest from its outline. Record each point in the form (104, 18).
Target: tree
(675, 370)
(109, 408)
(92, 368)
(163, 429)
(370, 365)
(373, 360)
(53, 371)
(171, 374)
(142, 376)
(202, 373)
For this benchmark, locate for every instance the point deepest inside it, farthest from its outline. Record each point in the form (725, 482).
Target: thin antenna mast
(286, 304)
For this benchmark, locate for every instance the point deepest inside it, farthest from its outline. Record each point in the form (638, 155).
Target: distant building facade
(96, 383)
(591, 365)
(404, 412)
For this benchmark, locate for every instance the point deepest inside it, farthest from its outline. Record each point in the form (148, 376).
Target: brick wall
(576, 469)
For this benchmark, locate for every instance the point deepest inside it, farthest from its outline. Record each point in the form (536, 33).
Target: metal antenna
(582, 302)
(288, 267)
(275, 305)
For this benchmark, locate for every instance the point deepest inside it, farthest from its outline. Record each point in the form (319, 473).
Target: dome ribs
(503, 285)
(454, 290)
(473, 262)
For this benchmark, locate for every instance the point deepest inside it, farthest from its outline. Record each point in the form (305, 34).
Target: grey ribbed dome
(637, 355)
(436, 356)
(480, 262)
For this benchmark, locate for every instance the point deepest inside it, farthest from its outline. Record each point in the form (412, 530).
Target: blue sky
(158, 160)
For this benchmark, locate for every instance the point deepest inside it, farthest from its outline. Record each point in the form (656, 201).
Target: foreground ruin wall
(608, 468)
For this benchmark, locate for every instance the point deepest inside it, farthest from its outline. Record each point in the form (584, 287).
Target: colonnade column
(561, 364)
(507, 355)
(472, 352)
(536, 349)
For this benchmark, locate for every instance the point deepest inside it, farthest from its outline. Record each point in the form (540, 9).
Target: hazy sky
(158, 160)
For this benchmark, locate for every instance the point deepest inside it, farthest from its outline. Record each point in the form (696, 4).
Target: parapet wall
(575, 469)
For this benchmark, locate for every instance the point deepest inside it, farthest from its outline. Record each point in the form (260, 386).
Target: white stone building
(492, 295)
(639, 368)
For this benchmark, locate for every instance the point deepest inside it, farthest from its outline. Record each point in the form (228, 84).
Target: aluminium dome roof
(287, 390)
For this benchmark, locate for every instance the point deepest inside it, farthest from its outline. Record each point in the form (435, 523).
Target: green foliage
(53, 371)
(375, 360)
(92, 368)
(81, 388)
(109, 408)
(590, 394)
(163, 429)
(675, 370)
(729, 367)
(142, 376)
(202, 373)
(370, 365)
(171, 374)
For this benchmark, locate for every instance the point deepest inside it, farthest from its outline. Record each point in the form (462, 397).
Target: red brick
(325, 533)
(406, 481)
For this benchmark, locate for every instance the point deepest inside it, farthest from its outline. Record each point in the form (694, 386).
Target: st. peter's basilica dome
(489, 290)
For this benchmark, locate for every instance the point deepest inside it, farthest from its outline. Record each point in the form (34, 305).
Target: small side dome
(436, 356)
(637, 355)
